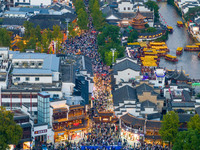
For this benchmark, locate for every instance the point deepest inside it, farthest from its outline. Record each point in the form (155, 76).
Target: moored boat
(192, 48)
(179, 50)
(170, 29)
(179, 23)
(199, 55)
(171, 58)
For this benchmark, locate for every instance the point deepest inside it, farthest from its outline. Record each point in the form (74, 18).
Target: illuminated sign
(40, 131)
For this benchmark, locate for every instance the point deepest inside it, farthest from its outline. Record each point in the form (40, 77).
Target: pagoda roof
(181, 76)
(139, 15)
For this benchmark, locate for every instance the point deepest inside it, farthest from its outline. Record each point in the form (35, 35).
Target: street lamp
(67, 20)
(113, 53)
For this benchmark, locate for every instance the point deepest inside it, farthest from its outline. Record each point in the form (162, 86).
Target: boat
(192, 48)
(179, 50)
(171, 58)
(170, 29)
(199, 55)
(161, 48)
(157, 44)
(179, 23)
(161, 53)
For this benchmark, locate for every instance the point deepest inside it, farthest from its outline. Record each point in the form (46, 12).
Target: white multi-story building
(125, 69)
(32, 2)
(35, 68)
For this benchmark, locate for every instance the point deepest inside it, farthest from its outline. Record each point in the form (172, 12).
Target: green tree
(38, 33)
(10, 132)
(31, 43)
(71, 27)
(153, 6)
(79, 4)
(82, 19)
(194, 123)
(4, 37)
(151, 30)
(169, 127)
(187, 140)
(192, 13)
(133, 36)
(28, 26)
(45, 41)
(171, 2)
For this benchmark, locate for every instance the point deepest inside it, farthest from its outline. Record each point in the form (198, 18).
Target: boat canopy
(135, 43)
(179, 49)
(197, 44)
(160, 47)
(170, 56)
(179, 22)
(192, 46)
(169, 27)
(157, 43)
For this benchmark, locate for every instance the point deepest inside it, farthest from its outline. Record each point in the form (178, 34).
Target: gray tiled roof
(186, 96)
(126, 64)
(132, 120)
(185, 117)
(14, 21)
(124, 93)
(145, 88)
(153, 124)
(183, 104)
(147, 104)
(154, 116)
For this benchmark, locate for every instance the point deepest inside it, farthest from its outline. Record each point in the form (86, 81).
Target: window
(24, 1)
(39, 64)
(18, 78)
(32, 64)
(18, 1)
(159, 81)
(37, 79)
(27, 78)
(128, 8)
(16, 64)
(124, 8)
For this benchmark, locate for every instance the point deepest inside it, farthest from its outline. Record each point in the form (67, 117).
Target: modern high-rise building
(43, 107)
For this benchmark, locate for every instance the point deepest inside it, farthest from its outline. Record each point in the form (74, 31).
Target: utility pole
(67, 20)
(113, 53)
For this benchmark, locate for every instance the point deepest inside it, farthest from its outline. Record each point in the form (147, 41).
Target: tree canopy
(133, 36)
(40, 40)
(194, 123)
(4, 37)
(10, 132)
(110, 38)
(187, 140)
(192, 13)
(153, 6)
(97, 16)
(82, 19)
(169, 127)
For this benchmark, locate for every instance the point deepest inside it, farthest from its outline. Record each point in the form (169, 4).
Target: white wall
(148, 111)
(18, 100)
(21, 1)
(55, 76)
(67, 88)
(42, 79)
(128, 6)
(126, 75)
(39, 2)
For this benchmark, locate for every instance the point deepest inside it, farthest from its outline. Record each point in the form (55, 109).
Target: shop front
(42, 134)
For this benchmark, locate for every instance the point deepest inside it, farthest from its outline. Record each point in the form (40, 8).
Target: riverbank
(180, 38)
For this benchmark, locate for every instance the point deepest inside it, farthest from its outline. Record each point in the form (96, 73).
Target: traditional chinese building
(138, 21)
(69, 122)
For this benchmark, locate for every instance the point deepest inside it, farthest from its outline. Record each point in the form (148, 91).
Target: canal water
(180, 38)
